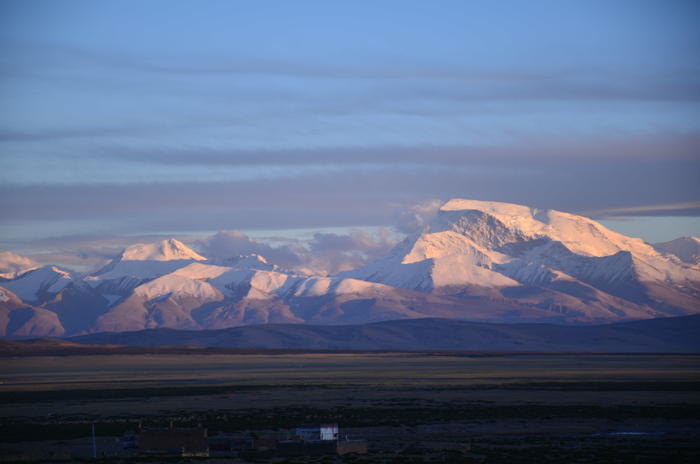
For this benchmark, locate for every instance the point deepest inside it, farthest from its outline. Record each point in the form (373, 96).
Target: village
(196, 442)
(317, 440)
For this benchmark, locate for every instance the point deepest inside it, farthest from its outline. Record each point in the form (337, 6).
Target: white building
(321, 432)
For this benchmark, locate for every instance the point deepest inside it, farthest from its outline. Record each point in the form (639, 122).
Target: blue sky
(135, 118)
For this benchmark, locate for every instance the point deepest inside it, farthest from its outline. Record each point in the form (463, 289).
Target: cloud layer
(338, 114)
(324, 253)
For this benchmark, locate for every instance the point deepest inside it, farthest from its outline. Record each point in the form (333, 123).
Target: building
(320, 440)
(351, 446)
(174, 441)
(305, 448)
(320, 432)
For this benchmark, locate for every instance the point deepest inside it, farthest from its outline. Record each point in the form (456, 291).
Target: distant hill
(667, 335)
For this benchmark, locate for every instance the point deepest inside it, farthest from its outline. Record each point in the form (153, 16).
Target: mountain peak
(497, 245)
(579, 234)
(497, 207)
(165, 250)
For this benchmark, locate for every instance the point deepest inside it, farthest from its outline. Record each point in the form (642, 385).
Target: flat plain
(507, 407)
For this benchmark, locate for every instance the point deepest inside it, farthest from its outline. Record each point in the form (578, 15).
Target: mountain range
(475, 261)
(663, 335)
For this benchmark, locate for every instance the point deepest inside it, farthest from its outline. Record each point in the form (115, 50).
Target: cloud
(520, 149)
(415, 218)
(78, 260)
(162, 165)
(188, 65)
(12, 264)
(8, 135)
(232, 243)
(691, 208)
(247, 88)
(340, 198)
(113, 130)
(336, 253)
(324, 253)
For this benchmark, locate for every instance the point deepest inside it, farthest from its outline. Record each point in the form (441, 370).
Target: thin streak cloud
(678, 146)
(691, 208)
(415, 78)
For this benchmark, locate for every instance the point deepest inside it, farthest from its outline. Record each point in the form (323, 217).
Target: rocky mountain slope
(479, 261)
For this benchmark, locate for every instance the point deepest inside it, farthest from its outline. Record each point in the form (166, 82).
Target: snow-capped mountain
(40, 284)
(484, 261)
(140, 263)
(214, 296)
(500, 244)
(166, 250)
(476, 248)
(687, 249)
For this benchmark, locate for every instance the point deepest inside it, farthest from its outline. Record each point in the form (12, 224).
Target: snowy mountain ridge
(499, 244)
(481, 261)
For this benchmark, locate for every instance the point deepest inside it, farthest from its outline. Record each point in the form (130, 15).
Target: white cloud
(324, 253)
(417, 216)
(12, 264)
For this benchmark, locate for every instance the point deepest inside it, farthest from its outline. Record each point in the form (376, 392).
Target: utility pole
(94, 444)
